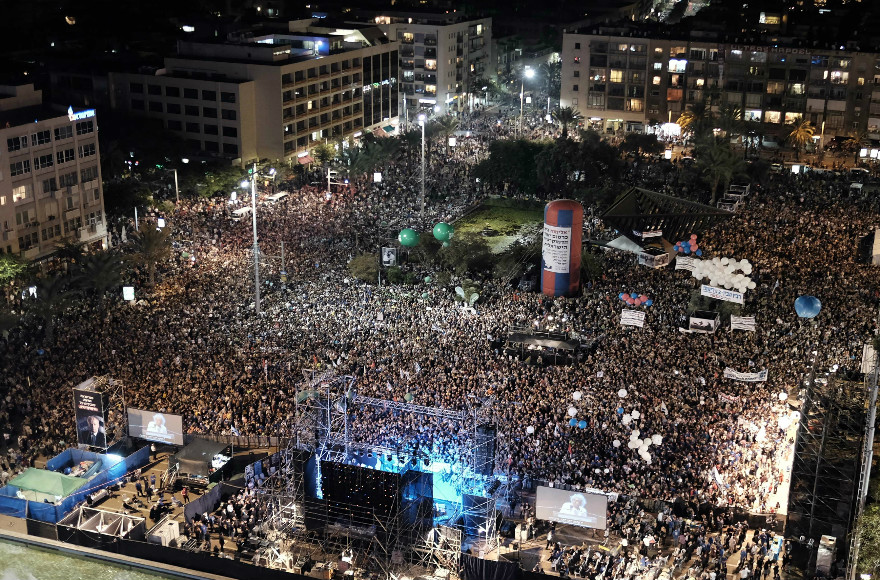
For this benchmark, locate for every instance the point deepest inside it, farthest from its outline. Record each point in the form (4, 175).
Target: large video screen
(571, 507)
(89, 407)
(158, 427)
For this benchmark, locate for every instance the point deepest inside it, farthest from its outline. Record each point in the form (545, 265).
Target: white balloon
(530, 429)
(607, 471)
(626, 420)
(635, 414)
(576, 395)
(724, 261)
(752, 285)
(632, 444)
(747, 269)
(646, 442)
(635, 434)
(616, 443)
(572, 411)
(621, 393)
(783, 396)
(657, 439)
(648, 460)
(597, 470)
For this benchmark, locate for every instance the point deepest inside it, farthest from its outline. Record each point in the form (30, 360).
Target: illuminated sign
(88, 113)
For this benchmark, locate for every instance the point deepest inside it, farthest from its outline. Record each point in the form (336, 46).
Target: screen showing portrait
(578, 508)
(158, 427)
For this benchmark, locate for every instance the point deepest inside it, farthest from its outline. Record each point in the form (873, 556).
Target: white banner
(869, 356)
(721, 294)
(686, 263)
(557, 249)
(632, 318)
(727, 398)
(742, 323)
(649, 234)
(759, 377)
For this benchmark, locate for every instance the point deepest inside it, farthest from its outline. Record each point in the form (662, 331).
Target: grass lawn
(510, 223)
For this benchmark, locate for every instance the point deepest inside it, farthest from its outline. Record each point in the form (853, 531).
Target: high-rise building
(272, 96)
(50, 181)
(443, 58)
(624, 82)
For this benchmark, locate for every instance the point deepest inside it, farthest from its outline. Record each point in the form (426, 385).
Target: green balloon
(445, 244)
(442, 231)
(424, 294)
(408, 237)
(409, 397)
(427, 279)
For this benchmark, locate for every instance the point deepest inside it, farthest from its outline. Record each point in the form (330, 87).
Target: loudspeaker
(485, 449)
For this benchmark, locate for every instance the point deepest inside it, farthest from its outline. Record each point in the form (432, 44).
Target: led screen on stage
(577, 508)
(158, 427)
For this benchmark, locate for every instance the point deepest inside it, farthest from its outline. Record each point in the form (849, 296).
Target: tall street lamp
(422, 120)
(527, 74)
(256, 250)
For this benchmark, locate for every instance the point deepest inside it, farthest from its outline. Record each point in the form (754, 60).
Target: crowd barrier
(239, 441)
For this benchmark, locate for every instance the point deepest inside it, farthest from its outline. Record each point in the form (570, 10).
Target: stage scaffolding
(405, 542)
(828, 459)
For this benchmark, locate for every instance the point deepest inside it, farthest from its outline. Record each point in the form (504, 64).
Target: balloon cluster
(726, 273)
(635, 299)
(643, 445)
(807, 306)
(688, 246)
(579, 424)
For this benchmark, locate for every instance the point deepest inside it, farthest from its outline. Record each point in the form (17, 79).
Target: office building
(444, 58)
(50, 180)
(270, 96)
(622, 83)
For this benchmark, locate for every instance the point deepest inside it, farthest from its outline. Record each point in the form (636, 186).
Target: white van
(241, 213)
(276, 197)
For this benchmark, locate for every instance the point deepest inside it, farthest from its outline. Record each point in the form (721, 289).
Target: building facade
(270, 97)
(443, 59)
(623, 83)
(50, 181)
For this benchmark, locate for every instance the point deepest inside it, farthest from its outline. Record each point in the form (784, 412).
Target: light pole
(256, 250)
(527, 74)
(176, 189)
(422, 120)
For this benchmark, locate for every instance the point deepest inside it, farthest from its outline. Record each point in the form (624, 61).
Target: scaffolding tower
(828, 459)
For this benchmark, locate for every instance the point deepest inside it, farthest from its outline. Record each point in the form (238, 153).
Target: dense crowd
(194, 346)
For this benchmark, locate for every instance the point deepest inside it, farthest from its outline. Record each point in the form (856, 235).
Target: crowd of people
(195, 346)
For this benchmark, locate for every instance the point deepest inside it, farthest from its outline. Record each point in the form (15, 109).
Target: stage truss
(392, 545)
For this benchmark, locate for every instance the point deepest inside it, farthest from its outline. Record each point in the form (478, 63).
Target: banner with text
(721, 294)
(632, 318)
(557, 249)
(742, 323)
(758, 377)
(725, 398)
(686, 263)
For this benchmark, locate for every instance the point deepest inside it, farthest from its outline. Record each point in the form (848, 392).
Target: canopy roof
(642, 210)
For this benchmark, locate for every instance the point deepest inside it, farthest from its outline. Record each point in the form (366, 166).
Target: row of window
(138, 88)
(43, 161)
(188, 110)
(44, 137)
(174, 125)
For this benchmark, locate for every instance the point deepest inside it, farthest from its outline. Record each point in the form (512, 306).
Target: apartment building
(271, 96)
(443, 58)
(623, 82)
(50, 180)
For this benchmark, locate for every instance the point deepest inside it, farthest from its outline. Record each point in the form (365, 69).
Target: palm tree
(446, 127)
(100, 272)
(550, 74)
(720, 165)
(800, 133)
(70, 251)
(696, 119)
(152, 246)
(566, 116)
(730, 119)
(52, 295)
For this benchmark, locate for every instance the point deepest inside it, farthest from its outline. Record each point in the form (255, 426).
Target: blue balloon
(572, 422)
(621, 295)
(620, 410)
(582, 424)
(807, 306)
(649, 302)
(699, 252)
(687, 250)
